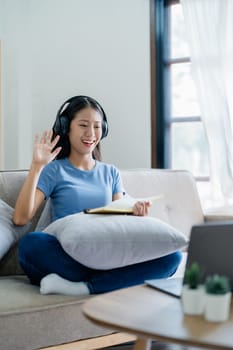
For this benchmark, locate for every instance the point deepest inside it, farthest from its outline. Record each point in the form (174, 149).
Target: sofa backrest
(180, 205)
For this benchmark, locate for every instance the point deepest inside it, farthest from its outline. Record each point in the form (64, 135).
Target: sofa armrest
(218, 214)
(210, 218)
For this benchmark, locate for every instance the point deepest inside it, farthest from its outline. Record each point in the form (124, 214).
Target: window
(179, 129)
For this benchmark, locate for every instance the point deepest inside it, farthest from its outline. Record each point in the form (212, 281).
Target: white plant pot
(193, 300)
(217, 307)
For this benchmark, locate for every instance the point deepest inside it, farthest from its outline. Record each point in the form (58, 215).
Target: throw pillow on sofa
(9, 232)
(111, 241)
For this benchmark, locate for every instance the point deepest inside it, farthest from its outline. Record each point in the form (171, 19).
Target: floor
(155, 346)
(108, 342)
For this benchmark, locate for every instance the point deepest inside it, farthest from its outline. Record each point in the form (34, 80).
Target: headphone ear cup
(64, 125)
(104, 129)
(61, 125)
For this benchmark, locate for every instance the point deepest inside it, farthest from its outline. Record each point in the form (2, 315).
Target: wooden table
(150, 314)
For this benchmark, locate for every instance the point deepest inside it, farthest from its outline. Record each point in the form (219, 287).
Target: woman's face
(85, 131)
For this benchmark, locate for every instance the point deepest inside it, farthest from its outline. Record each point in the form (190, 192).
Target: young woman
(66, 166)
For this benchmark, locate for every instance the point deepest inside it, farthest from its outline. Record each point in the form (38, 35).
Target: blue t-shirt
(72, 190)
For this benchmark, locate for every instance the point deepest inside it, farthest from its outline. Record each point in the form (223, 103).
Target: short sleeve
(47, 179)
(117, 181)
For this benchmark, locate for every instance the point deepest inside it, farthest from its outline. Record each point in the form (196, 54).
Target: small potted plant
(218, 298)
(193, 293)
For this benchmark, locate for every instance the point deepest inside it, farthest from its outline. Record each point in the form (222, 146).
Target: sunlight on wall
(0, 106)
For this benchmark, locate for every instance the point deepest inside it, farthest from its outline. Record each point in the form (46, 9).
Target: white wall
(54, 49)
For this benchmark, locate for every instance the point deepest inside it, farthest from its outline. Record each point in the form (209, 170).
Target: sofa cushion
(30, 320)
(111, 241)
(9, 232)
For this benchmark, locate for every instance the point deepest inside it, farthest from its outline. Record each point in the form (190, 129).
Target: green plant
(217, 284)
(192, 276)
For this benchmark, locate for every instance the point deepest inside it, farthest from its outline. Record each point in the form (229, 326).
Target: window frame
(161, 119)
(157, 82)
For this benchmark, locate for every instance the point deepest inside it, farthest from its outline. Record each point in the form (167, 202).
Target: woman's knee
(34, 244)
(177, 257)
(174, 261)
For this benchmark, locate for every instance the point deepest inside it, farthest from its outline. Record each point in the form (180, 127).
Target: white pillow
(110, 241)
(9, 233)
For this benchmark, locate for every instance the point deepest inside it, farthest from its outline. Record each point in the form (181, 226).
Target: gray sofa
(29, 320)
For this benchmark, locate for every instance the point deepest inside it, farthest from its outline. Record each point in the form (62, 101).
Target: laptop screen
(210, 245)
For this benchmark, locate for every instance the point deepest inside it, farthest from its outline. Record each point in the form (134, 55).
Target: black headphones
(62, 122)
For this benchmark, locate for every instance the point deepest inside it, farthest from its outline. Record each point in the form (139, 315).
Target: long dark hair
(66, 114)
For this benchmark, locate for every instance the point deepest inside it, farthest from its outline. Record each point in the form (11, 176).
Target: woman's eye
(86, 126)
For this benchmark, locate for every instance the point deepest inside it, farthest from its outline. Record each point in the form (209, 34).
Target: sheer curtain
(209, 26)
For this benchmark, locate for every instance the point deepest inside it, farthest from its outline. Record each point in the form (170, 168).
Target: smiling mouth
(88, 143)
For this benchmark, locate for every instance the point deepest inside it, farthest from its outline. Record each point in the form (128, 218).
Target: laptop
(211, 245)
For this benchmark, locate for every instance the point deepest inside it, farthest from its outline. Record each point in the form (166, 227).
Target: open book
(121, 206)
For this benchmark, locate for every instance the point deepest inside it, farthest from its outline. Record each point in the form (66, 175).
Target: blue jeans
(41, 254)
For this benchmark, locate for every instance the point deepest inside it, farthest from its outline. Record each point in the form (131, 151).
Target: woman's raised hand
(44, 151)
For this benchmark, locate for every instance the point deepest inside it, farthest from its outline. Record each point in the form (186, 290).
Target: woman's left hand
(141, 208)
